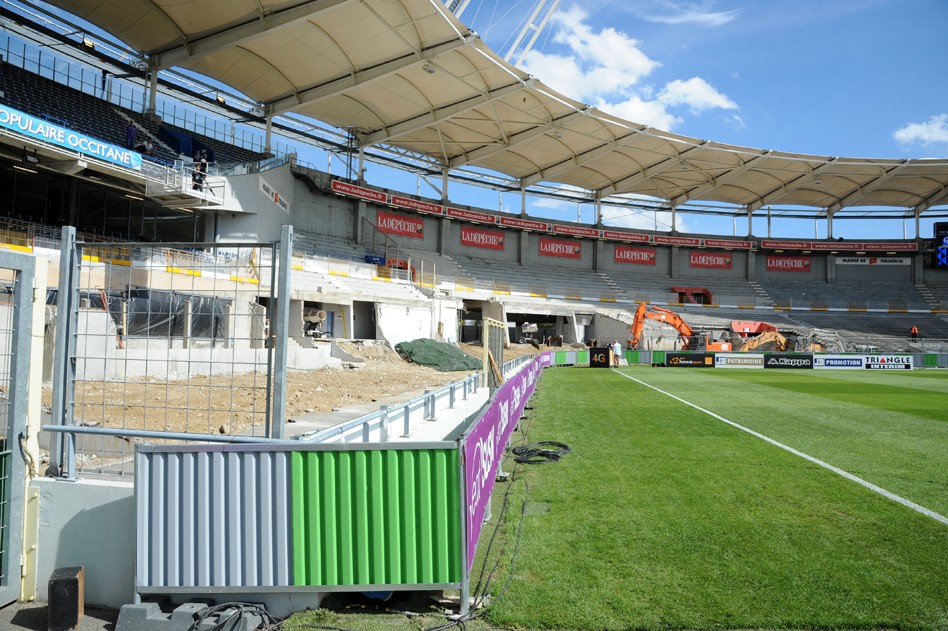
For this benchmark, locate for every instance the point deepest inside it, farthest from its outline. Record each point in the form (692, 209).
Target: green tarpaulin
(438, 355)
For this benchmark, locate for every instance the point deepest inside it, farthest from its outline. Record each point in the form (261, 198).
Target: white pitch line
(849, 476)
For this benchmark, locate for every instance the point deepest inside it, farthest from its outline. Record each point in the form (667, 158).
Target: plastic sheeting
(162, 314)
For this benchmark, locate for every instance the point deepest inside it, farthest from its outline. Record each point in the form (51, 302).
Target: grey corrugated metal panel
(213, 519)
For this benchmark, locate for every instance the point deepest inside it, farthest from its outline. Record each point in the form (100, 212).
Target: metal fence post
(279, 333)
(62, 448)
(383, 424)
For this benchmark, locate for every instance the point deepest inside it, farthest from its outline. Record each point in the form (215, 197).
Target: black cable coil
(540, 452)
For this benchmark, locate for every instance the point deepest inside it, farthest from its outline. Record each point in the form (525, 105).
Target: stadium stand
(85, 113)
(845, 295)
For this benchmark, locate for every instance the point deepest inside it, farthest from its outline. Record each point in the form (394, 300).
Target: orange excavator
(689, 341)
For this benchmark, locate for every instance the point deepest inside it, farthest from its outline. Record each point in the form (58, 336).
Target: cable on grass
(231, 614)
(540, 452)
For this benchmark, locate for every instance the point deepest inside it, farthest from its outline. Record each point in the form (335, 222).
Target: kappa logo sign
(889, 362)
(785, 361)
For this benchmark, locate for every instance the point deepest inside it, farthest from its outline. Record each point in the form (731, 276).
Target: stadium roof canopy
(408, 74)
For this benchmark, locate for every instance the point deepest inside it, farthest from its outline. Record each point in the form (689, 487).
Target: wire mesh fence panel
(7, 278)
(168, 340)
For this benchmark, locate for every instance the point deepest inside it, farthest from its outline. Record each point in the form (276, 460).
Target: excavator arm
(644, 312)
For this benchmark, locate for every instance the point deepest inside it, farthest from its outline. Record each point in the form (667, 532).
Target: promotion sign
(470, 215)
(839, 362)
(600, 357)
(559, 248)
(344, 188)
(689, 360)
(43, 130)
(634, 255)
(889, 362)
(710, 260)
(391, 223)
(788, 263)
(484, 445)
(267, 189)
(742, 360)
(417, 205)
(481, 238)
(772, 360)
(873, 260)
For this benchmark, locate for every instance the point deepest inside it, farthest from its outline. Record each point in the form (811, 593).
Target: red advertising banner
(560, 248)
(470, 215)
(726, 243)
(401, 225)
(481, 238)
(895, 247)
(636, 256)
(835, 246)
(788, 263)
(711, 260)
(418, 205)
(625, 236)
(841, 246)
(785, 245)
(576, 231)
(676, 240)
(344, 188)
(524, 224)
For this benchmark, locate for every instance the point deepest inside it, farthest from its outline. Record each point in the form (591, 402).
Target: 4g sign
(599, 357)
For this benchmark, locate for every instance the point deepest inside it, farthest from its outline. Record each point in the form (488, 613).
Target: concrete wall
(89, 523)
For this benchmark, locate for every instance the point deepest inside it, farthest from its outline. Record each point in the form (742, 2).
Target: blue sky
(854, 78)
(857, 78)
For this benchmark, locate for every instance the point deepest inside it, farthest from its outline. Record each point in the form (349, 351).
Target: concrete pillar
(445, 244)
(152, 89)
(522, 243)
(269, 133)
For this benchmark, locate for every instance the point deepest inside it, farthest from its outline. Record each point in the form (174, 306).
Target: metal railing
(407, 416)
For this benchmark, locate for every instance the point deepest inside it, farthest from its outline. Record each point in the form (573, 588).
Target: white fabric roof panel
(407, 74)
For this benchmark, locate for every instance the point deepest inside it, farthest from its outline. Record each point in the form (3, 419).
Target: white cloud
(697, 94)
(651, 113)
(607, 69)
(599, 62)
(933, 131)
(685, 13)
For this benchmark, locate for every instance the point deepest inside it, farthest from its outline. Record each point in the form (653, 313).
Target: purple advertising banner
(484, 445)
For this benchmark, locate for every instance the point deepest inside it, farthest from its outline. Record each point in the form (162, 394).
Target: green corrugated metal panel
(376, 517)
(559, 358)
(658, 357)
(582, 358)
(931, 360)
(634, 357)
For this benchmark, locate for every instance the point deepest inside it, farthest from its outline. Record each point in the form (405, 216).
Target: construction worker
(914, 333)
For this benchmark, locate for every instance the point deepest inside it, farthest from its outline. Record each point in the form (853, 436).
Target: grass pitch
(666, 517)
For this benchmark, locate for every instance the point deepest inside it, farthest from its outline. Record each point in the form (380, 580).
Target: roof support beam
(513, 140)
(440, 114)
(581, 159)
(789, 187)
(624, 184)
(863, 191)
(360, 77)
(244, 33)
(939, 197)
(722, 179)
